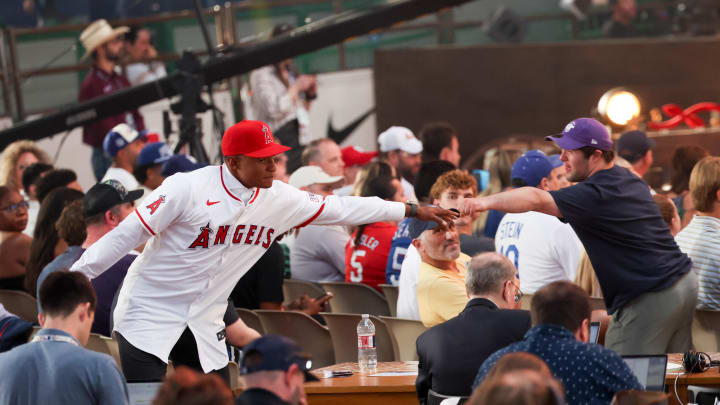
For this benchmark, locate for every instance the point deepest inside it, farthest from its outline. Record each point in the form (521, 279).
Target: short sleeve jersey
(398, 248)
(629, 244)
(365, 262)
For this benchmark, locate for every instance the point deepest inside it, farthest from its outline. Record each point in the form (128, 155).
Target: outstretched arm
(112, 247)
(518, 200)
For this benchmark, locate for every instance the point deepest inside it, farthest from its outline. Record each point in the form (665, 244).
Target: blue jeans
(100, 163)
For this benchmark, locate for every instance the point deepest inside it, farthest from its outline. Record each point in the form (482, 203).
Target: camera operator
(281, 97)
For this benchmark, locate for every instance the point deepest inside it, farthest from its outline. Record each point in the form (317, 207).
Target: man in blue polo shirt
(646, 280)
(590, 373)
(54, 368)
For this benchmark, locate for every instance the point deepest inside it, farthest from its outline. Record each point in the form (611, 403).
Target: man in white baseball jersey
(204, 230)
(542, 248)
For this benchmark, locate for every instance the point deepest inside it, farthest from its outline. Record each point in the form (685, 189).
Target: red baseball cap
(251, 138)
(352, 155)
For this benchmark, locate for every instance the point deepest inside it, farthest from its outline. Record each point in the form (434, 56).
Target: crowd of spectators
(562, 227)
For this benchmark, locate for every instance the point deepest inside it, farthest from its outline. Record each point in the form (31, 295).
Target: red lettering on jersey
(203, 239)
(268, 238)
(156, 204)
(221, 234)
(250, 234)
(237, 237)
(259, 237)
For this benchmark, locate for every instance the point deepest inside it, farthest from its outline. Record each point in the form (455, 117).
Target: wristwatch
(413, 208)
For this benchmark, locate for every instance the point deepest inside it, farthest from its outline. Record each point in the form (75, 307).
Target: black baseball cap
(103, 196)
(275, 353)
(633, 145)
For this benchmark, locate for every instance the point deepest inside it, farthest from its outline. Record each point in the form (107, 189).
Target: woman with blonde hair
(15, 158)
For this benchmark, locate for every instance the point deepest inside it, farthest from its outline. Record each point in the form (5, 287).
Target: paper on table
(674, 366)
(394, 374)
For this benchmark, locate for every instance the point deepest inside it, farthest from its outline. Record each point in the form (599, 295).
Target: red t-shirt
(366, 262)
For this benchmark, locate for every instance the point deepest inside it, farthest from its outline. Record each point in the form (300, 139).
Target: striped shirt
(700, 241)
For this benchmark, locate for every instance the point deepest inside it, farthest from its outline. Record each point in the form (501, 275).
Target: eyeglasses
(16, 206)
(518, 293)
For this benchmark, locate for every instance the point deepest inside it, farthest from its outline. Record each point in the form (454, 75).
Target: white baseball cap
(309, 175)
(395, 138)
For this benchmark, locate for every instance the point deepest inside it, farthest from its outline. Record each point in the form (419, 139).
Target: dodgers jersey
(542, 248)
(205, 230)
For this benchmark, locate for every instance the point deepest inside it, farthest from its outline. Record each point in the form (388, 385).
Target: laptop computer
(143, 392)
(649, 370)
(594, 332)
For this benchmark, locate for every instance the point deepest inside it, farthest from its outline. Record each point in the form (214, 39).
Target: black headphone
(697, 362)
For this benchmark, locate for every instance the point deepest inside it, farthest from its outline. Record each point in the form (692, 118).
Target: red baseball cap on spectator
(251, 138)
(353, 155)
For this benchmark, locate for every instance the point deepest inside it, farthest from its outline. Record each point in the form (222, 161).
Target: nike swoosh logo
(339, 135)
(209, 203)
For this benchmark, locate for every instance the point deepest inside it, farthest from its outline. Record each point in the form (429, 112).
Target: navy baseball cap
(103, 196)
(531, 167)
(153, 154)
(119, 137)
(583, 132)
(633, 145)
(555, 161)
(417, 226)
(275, 353)
(180, 164)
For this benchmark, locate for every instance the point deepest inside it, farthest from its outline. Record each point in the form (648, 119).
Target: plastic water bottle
(367, 356)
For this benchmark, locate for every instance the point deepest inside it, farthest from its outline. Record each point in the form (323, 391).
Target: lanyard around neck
(54, 338)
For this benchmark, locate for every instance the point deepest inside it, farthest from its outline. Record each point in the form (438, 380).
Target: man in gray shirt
(54, 368)
(318, 253)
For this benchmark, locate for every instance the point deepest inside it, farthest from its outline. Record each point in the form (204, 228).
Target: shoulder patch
(314, 198)
(156, 204)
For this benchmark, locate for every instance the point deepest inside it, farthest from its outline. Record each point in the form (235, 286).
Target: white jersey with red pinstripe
(205, 230)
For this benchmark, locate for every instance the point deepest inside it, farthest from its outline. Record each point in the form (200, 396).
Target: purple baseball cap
(583, 132)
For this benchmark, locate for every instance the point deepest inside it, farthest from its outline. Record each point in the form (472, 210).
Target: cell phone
(322, 295)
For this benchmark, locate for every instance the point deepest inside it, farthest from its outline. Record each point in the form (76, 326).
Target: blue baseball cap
(180, 164)
(531, 167)
(583, 132)
(417, 226)
(275, 353)
(153, 154)
(119, 137)
(633, 145)
(555, 161)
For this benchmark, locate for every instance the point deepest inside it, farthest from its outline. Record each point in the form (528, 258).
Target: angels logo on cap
(251, 138)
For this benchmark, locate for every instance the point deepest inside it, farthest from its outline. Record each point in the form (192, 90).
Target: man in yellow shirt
(441, 282)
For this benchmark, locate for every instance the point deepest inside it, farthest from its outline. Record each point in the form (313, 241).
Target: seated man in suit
(590, 373)
(54, 368)
(450, 353)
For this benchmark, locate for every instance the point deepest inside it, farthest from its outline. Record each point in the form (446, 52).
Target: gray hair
(312, 153)
(487, 273)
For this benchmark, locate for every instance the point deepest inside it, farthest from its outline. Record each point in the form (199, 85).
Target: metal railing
(12, 77)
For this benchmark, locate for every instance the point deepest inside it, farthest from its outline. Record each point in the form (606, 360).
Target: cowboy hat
(98, 33)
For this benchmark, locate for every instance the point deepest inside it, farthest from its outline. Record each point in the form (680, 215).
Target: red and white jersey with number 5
(366, 262)
(204, 230)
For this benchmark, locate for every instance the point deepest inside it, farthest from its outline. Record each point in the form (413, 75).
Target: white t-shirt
(542, 248)
(140, 73)
(33, 210)
(408, 190)
(204, 231)
(407, 305)
(124, 177)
